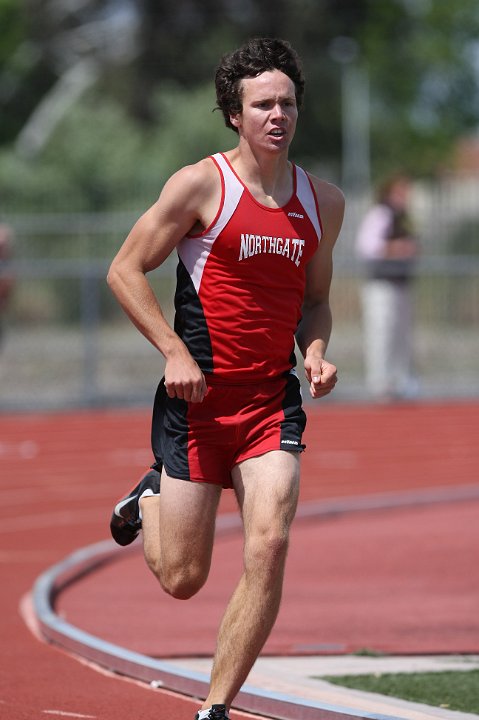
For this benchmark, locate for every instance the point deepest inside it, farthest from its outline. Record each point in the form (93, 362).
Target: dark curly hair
(251, 59)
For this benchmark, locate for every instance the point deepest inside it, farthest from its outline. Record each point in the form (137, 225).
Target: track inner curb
(160, 673)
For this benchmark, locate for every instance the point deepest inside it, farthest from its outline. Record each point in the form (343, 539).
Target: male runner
(254, 235)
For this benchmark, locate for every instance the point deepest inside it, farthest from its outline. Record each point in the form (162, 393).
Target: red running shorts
(202, 442)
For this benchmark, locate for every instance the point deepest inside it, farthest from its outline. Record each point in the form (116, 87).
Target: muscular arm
(315, 328)
(187, 200)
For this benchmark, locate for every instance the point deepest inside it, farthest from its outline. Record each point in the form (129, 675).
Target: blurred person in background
(387, 248)
(6, 276)
(254, 235)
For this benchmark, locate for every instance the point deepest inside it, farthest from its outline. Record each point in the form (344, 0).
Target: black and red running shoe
(125, 523)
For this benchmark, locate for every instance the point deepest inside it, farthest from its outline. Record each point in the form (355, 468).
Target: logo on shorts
(289, 442)
(296, 215)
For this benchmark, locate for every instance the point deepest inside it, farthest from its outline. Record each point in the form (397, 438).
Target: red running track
(402, 580)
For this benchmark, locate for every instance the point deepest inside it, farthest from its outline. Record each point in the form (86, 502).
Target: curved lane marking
(161, 674)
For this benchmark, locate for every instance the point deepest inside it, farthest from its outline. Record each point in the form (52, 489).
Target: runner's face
(269, 114)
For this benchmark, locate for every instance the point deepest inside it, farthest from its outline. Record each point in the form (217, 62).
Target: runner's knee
(266, 551)
(181, 581)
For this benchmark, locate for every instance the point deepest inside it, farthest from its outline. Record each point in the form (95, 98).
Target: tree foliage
(421, 57)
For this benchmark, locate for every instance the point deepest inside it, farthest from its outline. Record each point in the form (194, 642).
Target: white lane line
(57, 493)
(63, 713)
(20, 556)
(23, 450)
(131, 456)
(79, 516)
(313, 508)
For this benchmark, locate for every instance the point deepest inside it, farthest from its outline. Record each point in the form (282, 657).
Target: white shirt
(373, 231)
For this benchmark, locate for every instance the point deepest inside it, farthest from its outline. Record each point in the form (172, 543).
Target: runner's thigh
(187, 519)
(267, 489)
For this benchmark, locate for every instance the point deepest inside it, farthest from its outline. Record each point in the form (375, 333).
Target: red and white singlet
(240, 283)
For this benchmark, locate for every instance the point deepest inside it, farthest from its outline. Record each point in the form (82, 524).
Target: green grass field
(454, 690)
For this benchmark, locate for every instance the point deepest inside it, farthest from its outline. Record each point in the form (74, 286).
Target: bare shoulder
(200, 178)
(192, 193)
(331, 204)
(330, 197)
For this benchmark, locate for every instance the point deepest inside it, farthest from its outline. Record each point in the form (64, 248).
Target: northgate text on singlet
(251, 244)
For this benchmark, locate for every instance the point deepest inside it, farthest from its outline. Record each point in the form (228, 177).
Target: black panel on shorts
(294, 423)
(169, 433)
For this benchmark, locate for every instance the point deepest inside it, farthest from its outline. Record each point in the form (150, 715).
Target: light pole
(355, 120)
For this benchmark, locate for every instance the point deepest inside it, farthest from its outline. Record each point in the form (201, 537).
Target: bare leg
(178, 533)
(267, 490)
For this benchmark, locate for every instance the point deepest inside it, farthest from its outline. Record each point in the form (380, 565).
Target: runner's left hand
(321, 375)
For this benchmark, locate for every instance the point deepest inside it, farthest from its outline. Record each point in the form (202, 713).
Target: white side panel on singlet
(307, 199)
(194, 250)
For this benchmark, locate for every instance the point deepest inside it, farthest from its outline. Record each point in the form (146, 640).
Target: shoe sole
(123, 535)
